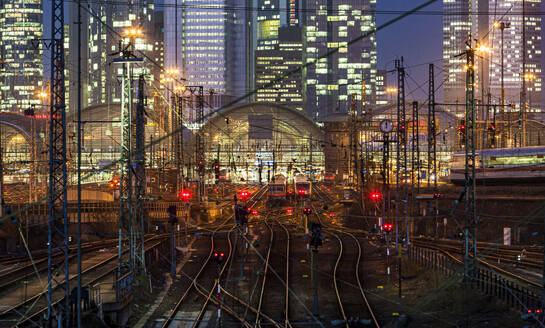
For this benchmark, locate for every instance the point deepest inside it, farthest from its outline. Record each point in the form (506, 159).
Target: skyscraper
(329, 84)
(461, 22)
(21, 66)
(103, 30)
(457, 29)
(272, 64)
(511, 12)
(207, 43)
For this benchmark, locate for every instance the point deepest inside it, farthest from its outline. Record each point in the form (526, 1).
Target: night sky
(418, 38)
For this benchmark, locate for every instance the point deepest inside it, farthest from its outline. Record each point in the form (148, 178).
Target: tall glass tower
(329, 84)
(21, 66)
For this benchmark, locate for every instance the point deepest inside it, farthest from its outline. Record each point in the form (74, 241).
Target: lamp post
(482, 50)
(502, 26)
(527, 77)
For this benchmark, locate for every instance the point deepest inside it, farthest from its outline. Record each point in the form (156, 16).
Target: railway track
(29, 310)
(348, 275)
(207, 292)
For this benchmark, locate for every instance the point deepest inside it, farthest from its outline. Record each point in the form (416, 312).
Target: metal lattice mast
(416, 148)
(140, 174)
(125, 180)
(470, 254)
(58, 218)
(180, 141)
(432, 141)
(401, 148)
(199, 141)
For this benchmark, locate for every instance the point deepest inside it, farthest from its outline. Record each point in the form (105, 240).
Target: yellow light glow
(133, 32)
(391, 90)
(529, 76)
(496, 25)
(180, 88)
(483, 49)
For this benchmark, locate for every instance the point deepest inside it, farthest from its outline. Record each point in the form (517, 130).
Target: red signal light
(115, 181)
(387, 227)
(538, 311)
(301, 191)
(289, 211)
(529, 311)
(222, 254)
(331, 215)
(215, 254)
(254, 212)
(375, 195)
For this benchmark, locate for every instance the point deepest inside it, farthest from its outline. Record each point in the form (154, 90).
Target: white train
(302, 186)
(502, 166)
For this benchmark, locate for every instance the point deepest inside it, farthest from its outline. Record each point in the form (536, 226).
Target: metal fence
(103, 212)
(510, 292)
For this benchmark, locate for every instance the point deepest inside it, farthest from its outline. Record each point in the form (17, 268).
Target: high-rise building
(380, 87)
(457, 28)
(330, 82)
(462, 23)
(514, 58)
(273, 64)
(207, 43)
(103, 31)
(21, 62)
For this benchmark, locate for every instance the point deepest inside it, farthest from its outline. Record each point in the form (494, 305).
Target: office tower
(461, 22)
(208, 44)
(329, 83)
(510, 12)
(103, 30)
(381, 85)
(21, 62)
(458, 27)
(274, 64)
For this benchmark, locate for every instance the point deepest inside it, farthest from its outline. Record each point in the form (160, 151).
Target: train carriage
(277, 190)
(502, 166)
(302, 186)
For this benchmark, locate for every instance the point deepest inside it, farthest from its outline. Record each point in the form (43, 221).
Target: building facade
(102, 39)
(329, 82)
(514, 58)
(461, 22)
(271, 68)
(21, 62)
(207, 43)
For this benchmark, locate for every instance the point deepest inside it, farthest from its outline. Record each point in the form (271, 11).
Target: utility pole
(502, 26)
(401, 150)
(432, 141)
(416, 147)
(522, 110)
(125, 182)
(58, 223)
(140, 174)
(470, 227)
(79, 136)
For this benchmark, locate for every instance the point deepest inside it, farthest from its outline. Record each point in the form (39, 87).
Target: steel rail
(194, 284)
(265, 270)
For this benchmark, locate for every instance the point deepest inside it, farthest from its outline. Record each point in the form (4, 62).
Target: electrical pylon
(470, 227)
(58, 219)
(140, 176)
(401, 149)
(126, 227)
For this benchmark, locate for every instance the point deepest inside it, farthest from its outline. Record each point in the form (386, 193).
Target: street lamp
(502, 26)
(391, 91)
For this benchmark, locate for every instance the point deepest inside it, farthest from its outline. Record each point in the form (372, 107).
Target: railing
(123, 286)
(512, 293)
(103, 212)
